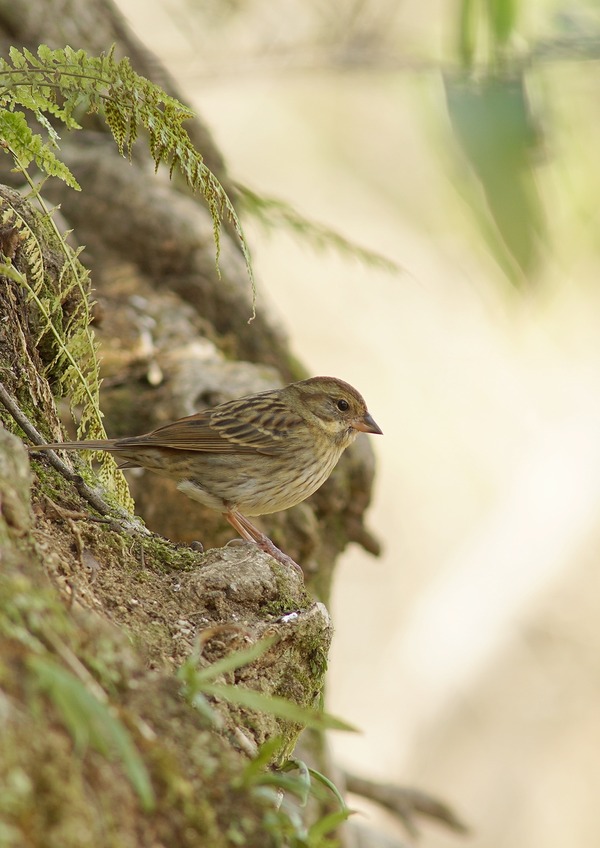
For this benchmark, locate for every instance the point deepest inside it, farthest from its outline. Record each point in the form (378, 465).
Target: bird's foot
(250, 533)
(269, 547)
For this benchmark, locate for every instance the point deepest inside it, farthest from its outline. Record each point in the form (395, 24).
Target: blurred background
(459, 140)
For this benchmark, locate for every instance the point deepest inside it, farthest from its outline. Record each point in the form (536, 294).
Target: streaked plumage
(254, 455)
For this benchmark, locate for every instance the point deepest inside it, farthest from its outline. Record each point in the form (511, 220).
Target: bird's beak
(368, 425)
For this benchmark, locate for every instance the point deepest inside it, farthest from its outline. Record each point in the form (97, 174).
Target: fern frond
(275, 214)
(71, 361)
(53, 87)
(59, 82)
(27, 147)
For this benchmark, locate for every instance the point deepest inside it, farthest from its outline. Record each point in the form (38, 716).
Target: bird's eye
(343, 405)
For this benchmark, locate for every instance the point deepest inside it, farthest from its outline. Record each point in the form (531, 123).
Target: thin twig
(406, 803)
(90, 495)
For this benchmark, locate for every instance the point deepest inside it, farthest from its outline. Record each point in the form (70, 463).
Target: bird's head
(335, 407)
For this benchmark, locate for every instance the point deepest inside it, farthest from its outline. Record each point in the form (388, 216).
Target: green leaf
(71, 362)
(233, 661)
(493, 123)
(274, 705)
(27, 148)
(195, 679)
(90, 723)
(329, 784)
(287, 783)
(311, 775)
(256, 767)
(60, 82)
(328, 823)
(502, 16)
(467, 24)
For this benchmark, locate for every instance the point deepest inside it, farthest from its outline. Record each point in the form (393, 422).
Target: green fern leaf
(17, 136)
(54, 86)
(127, 100)
(68, 345)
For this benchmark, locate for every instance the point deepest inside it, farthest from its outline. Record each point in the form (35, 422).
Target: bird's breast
(291, 479)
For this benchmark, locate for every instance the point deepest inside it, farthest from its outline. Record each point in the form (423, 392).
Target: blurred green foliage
(494, 125)
(493, 122)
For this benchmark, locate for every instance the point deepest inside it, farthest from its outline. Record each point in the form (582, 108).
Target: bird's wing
(233, 427)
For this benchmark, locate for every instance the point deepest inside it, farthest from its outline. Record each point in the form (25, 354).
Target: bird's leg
(250, 533)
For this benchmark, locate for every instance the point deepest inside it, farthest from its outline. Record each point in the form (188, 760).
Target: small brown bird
(252, 456)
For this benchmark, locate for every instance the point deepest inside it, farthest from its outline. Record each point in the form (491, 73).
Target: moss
(48, 804)
(287, 598)
(165, 555)
(318, 660)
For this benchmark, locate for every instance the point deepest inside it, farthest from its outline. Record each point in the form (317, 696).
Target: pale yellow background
(469, 653)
